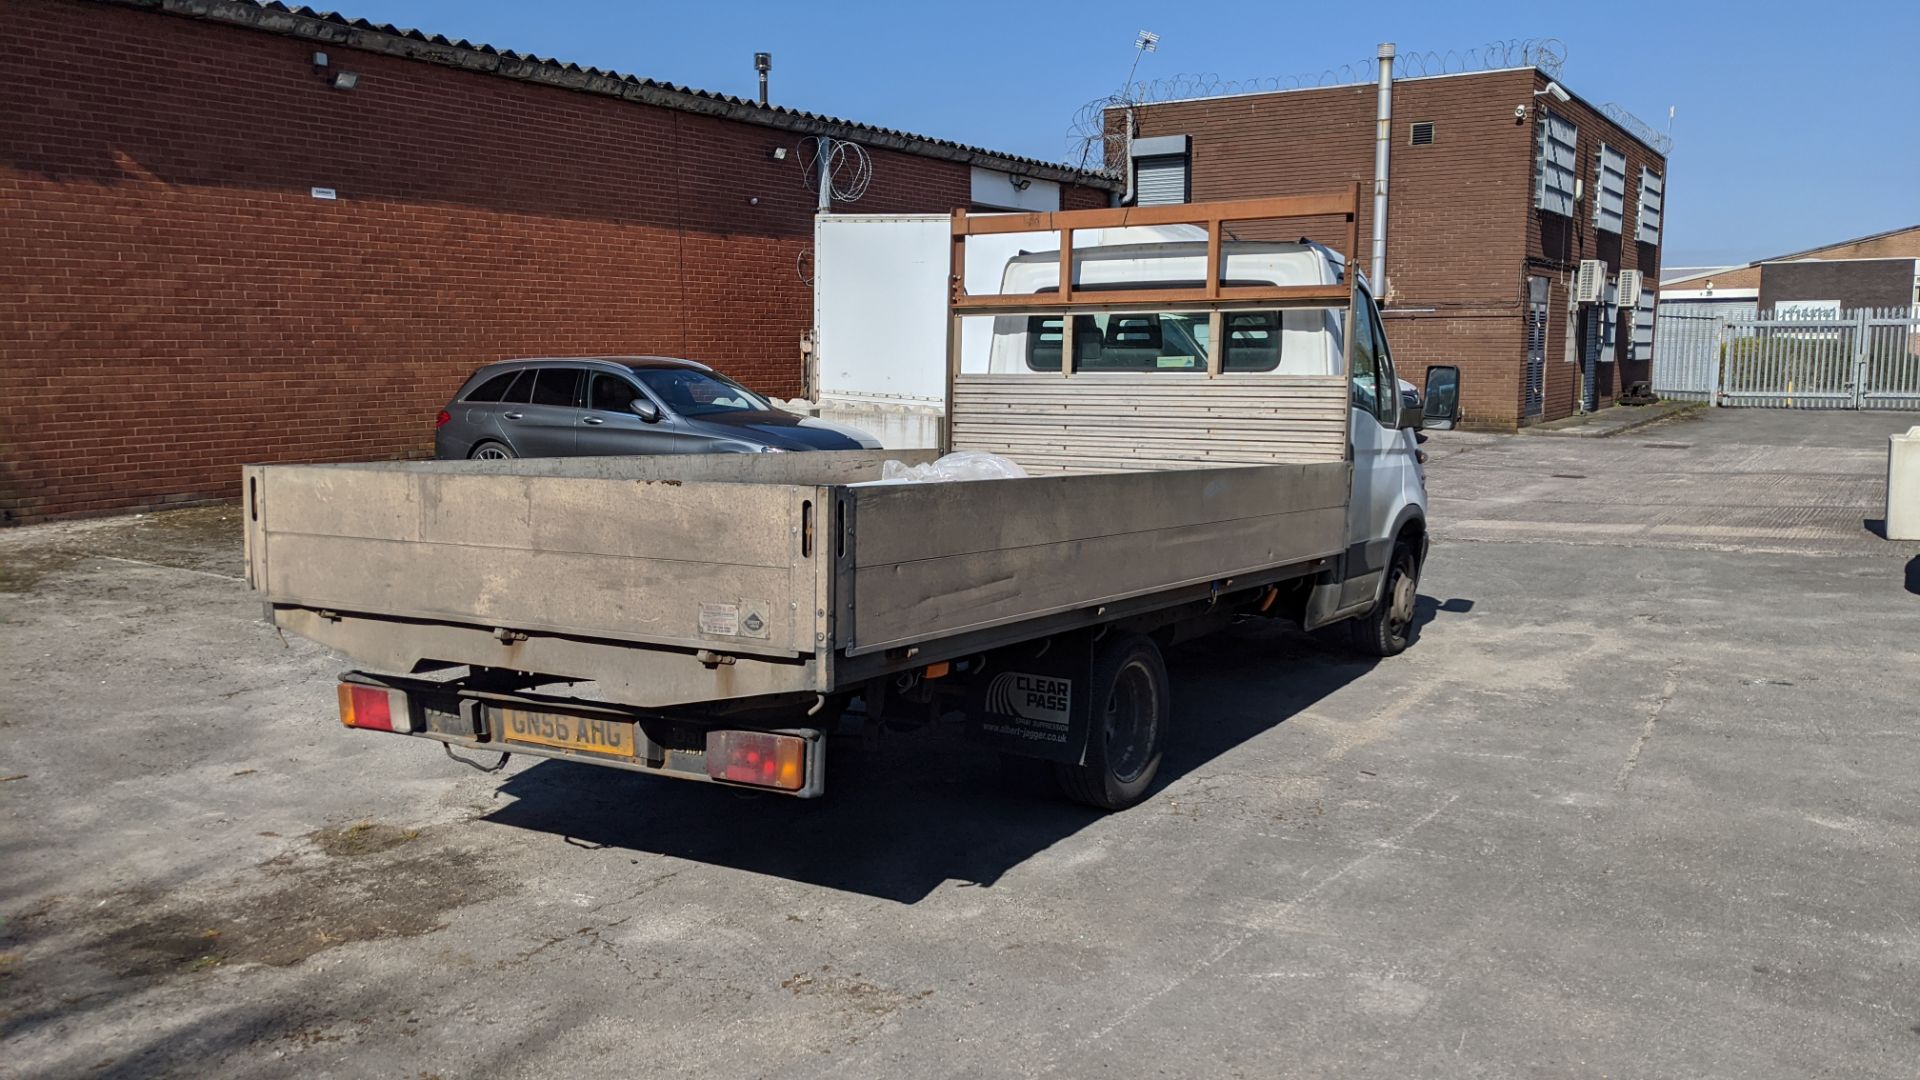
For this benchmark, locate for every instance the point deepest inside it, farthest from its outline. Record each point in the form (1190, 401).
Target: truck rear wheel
(1388, 628)
(1131, 707)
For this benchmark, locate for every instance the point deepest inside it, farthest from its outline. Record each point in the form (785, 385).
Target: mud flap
(1033, 699)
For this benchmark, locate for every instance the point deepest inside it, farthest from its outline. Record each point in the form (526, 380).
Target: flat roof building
(1500, 186)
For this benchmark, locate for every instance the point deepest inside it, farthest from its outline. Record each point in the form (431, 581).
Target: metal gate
(1686, 354)
(1864, 359)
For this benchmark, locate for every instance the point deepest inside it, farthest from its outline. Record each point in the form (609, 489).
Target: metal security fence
(1863, 359)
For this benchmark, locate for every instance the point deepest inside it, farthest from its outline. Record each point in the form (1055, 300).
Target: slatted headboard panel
(1112, 422)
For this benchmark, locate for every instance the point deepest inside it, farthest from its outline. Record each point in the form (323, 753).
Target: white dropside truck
(1206, 438)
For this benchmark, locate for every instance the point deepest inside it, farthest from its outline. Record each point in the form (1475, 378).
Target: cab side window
(1388, 399)
(1364, 377)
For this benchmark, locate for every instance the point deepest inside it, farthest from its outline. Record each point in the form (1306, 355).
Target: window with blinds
(1555, 164)
(1646, 221)
(1610, 190)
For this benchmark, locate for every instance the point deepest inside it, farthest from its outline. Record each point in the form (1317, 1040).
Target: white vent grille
(1610, 190)
(1653, 190)
(1590, 284)
(1554, 182)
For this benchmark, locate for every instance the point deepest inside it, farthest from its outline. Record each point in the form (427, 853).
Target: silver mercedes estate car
(606, 405)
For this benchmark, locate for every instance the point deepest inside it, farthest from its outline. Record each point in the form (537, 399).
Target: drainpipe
(1126, 197)
(823, 147)
(1383, 138)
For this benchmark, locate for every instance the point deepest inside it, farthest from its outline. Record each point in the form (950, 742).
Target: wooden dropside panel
(1094, 423)
(703, 565)
(931, 560)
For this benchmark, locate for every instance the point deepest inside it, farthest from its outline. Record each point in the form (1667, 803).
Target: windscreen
(699, 393)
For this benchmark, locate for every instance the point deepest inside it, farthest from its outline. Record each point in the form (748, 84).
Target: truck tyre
(1131, 707)
(1388, 628)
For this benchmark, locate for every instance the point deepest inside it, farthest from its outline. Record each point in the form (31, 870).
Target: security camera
(1554, 90)
(1519, 112)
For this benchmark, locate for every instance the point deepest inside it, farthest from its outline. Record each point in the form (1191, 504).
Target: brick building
(211, 253)
(1879, 271)
(1484, 237)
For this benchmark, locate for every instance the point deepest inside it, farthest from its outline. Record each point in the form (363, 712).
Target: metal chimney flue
(1382, 140)
(763, 63)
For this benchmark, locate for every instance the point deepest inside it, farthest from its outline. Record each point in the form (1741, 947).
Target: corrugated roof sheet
(275, 17)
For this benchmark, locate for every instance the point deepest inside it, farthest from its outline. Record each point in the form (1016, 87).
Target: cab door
(1382, 457)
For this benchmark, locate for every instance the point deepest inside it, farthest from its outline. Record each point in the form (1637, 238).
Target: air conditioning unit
(1630, 283)
(1590, 284)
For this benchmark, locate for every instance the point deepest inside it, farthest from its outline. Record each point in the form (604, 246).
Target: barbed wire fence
(1639, 128)
(1092, 146)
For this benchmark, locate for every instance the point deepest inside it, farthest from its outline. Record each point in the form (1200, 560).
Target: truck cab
(1387, 512)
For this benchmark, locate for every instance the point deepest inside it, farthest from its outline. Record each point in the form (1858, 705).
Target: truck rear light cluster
(757, 758)
(373, 708)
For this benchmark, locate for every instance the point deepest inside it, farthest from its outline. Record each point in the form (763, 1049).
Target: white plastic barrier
(1903, 486)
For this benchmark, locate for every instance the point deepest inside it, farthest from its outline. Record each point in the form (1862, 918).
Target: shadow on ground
(913, 811)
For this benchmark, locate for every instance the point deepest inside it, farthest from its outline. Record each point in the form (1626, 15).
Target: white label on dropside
(721, 619)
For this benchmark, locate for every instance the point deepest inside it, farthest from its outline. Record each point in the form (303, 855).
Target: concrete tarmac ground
(1643, 800)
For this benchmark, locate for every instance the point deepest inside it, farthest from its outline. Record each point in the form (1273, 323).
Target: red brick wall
(1461, 225)
(173, 302)
(1555, 246)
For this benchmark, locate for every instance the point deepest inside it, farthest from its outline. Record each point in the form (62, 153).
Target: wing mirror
(1443, 398)
(645, 409)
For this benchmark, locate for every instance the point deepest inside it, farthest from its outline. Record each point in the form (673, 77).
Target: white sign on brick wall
(1806, 309)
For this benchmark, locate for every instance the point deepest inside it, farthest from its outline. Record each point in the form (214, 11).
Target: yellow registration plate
(594, 736)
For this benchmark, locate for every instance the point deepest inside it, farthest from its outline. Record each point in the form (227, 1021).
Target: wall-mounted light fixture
(346, 80)
(778, 153)
(319, 62)
(1020, 183)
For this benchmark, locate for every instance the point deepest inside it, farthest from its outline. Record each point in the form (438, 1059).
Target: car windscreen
(699, 393)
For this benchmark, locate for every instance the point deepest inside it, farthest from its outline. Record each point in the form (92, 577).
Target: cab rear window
(1164, 341)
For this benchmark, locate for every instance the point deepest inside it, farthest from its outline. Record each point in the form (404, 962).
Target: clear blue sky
(1797, 124)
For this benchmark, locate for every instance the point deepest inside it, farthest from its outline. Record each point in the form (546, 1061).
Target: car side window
(521, 390)
(556, 386)
(1364, 378)
(611, 393)
(493, 389)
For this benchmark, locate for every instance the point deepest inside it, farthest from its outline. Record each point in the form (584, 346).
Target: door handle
(591, 420)
(514, 415)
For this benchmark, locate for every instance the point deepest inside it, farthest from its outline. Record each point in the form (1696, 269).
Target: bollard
(1903, 485)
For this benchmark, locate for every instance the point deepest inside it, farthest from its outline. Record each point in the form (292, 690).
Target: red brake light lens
(441, 420)
(366, 707)
(758, 758)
